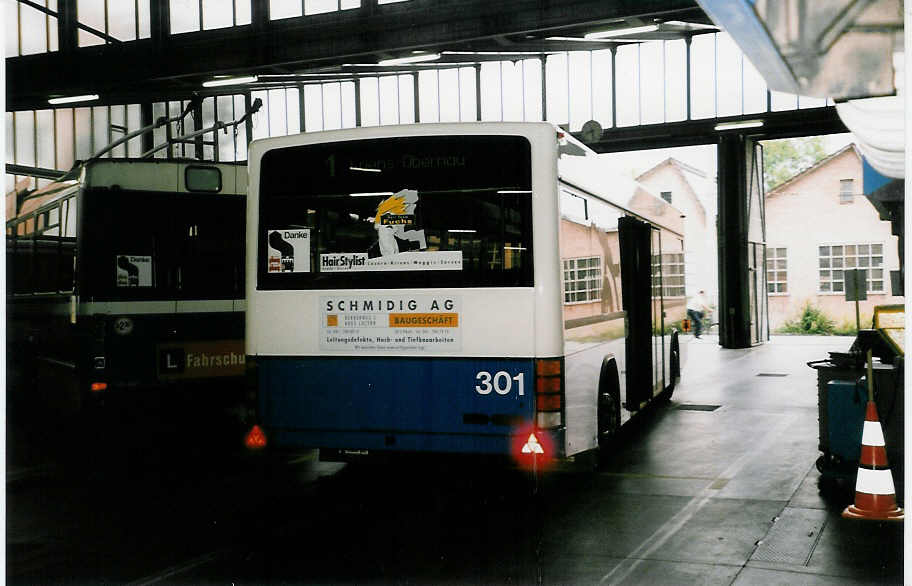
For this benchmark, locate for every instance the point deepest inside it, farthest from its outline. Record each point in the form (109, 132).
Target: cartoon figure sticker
(394, 222)
(288, 251)
(401, 244)
(133, 271)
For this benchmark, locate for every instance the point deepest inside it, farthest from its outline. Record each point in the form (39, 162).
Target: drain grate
(772, 374)
(694, 407)
(792, 538)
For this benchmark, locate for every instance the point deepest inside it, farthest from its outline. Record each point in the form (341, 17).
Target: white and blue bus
(473, 288)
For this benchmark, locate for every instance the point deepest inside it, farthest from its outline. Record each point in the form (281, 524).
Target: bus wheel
(674, 369)
(609, 407)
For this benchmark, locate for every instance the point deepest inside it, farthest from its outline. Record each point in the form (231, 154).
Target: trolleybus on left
(125, 285)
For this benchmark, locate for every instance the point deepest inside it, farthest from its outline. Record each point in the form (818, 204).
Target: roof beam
(144, 70)
(776, 125)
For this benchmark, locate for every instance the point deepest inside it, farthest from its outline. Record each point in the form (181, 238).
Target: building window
(666, 195)
(672, 275)
(583, 279)
(776, 270)
(846, 190)
(835, 259)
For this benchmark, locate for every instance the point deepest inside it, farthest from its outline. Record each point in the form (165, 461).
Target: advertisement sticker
(133, 271)
(414, 323)
(288, 251)
(353, 262)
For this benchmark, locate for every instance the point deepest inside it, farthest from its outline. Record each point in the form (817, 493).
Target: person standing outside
(696, 309)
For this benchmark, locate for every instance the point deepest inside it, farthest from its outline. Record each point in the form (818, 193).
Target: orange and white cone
(875, 495)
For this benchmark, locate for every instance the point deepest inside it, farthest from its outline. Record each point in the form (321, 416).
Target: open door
(743, 313)
(756, 247)
(636, 287)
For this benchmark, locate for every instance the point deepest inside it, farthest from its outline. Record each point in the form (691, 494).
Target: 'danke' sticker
(288, 251)
(133, 271)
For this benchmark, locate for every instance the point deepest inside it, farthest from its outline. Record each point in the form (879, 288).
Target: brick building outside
(693, 192)
(819, 224)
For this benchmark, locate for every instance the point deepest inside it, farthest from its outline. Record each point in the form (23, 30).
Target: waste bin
(841, 400)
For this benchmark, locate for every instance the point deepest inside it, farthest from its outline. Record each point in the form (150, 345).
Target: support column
(544, 86)
(145, 115)
(614, 99)
(302, 113)
(160, 23)
(358, 102)
(688, 42)
(478, 92)
(259, 15)
(67, 33)
(248, 122)
(199, 149)
(416, 94)
(734, 295)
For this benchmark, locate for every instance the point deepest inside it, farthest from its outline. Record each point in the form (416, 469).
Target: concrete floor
(728, 496)
(737, 487)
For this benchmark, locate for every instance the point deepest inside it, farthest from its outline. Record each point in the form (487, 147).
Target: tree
(783, 159)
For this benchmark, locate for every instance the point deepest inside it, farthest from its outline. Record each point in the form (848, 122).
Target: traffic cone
(875, 495)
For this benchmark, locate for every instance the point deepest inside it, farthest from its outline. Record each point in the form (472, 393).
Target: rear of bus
(400, 296)
(161, 284)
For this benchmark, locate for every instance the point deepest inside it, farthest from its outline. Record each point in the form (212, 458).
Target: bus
(125, 287)
(464, 288)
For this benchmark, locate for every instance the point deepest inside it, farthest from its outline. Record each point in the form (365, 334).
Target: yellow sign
(213, 358)
(424, 320)
(891, 320)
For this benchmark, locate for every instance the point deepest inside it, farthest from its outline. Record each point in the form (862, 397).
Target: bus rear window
(207, 179)
(403, 212)
(138, 245)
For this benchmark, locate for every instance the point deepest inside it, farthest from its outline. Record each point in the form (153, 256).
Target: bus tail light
(549, 392)
(547, 420)
(97, 387)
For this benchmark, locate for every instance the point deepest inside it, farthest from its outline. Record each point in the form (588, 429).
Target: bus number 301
(501, 382)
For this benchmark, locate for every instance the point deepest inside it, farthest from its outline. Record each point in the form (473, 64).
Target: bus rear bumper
(354, 445)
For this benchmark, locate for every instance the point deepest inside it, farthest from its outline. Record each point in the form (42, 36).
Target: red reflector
(532, 446)
(548, 367)
(533, 449)
(548, 402)
(255, 438)
(548, 385)
(99, 387)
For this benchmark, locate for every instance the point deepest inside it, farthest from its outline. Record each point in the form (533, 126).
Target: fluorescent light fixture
(461, 231)
(513, 191)
(365, 169)
(492, 52)
(71, 99)
(577, 39)
(694, 26)
(417, 58)
(623, 32)
(382, 64)
(222, 81)
(371, 194)
(736, 125)
(514, 248)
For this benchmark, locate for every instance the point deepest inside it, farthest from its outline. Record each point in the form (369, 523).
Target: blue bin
(846, 402)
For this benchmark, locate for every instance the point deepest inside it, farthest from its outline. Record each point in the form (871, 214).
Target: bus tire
(609, 407)
(674, 368)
